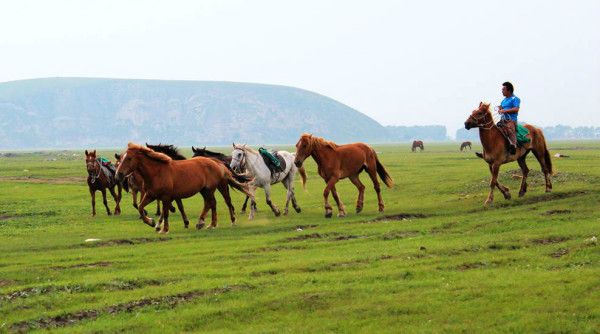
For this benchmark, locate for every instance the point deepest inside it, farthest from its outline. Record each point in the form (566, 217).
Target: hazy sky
(400, 62)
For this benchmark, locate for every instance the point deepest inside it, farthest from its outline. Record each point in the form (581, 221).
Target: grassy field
(436, 261)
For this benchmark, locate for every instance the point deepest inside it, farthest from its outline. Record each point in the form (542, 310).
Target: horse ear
(86, 152)
(480, 104)
(193, 149)
(204, 148)
(94, 153)
(118, 157)
(233, 145)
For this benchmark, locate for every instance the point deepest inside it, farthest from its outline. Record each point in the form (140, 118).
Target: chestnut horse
(417, 144)
(495, 151)
(464, 145)
(98, 181)
(336, 162)
(166, 180)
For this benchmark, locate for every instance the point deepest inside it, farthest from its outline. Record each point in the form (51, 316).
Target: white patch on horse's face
(236, 158)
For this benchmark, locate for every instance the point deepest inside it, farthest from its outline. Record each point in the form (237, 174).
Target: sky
(399, 62)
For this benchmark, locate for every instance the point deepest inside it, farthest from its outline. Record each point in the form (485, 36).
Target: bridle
(485, 126)
(90, 174)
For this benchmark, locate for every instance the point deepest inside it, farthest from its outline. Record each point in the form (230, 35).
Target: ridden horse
(336, 162)
(225, 159)
(417, 144)
(495, 151)
(166, 180)
(244, 157)
(97, 180)
(464, 145)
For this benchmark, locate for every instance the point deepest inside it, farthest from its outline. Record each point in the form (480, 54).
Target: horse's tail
(383, 174)
(302, 172)
(547, 158)
(239, 182)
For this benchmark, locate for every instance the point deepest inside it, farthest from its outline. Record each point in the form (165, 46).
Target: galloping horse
(417, 144)
(243, 157)
(166, 180)
(495, 151)
(337, 162)
(98, 180)
(464, 145)
(225, 159)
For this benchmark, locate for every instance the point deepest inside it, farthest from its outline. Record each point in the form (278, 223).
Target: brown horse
(464, 145)
(417, 144)
(336, 162)
(166, 180)
(495, 151)
(98, 181)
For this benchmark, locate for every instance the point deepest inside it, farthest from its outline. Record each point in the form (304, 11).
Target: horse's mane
(157, 156)
(171, 150)
(245, 148)
(208, 153)
(314, 141)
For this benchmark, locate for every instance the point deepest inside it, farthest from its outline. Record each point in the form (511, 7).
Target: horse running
(417, 144)
(166, 180)
(336, 162)
(243, 157)
(464, 145)
(225, 159)
(99, 181)
(495, 151)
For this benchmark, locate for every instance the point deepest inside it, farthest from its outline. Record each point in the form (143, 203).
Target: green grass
(525, 265)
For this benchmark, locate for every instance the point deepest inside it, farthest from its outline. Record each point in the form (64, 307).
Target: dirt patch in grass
(170, 301)
(346, 237)
(305, 237)
(443, 228)
(472, 265)
(399, 235)
(278, 248)
(270, 272)
(117, 285)
(496, 246)
(118, 242)
(5, 217)
(6, 282)
(334, 236)
(550, 240)
(98, 264)
(556, 212)
(58, 180)
(400, 216)
(305, 227)
(560, 252)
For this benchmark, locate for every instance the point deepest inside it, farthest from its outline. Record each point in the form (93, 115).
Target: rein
(95, 177)
(485, 126)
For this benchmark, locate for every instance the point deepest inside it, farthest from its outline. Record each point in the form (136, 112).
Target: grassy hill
(435, 262)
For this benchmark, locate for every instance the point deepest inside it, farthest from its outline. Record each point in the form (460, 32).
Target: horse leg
(330, 184)
(361, 192)
(541, 159)
(186, 222)
(147, 198)
(158, 208)
(372, 171)
(134, 198)
(116, 198)
(224, 190)
(289, 185)
(201, 223)
(503, 189)
(288, 194)
(213, 210)
(340, 205)
(245, 204)
(494, 169)
(93, 193)
(525, 172)
(274, 208)
(105, 202)
(165, 216)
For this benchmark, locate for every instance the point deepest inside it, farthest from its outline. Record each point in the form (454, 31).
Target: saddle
(274, 161)
(520, 133)
(108, 169)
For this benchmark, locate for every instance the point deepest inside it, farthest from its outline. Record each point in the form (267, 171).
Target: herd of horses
(160, 173)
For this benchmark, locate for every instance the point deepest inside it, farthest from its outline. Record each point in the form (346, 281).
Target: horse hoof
(199, 226)
(507, 197)
(328, 214)
(108, 213)
(163, 232)
(521, 194)
(359, 209)
(277, 213)
(244, 211)
(341, 215)
(298, 210)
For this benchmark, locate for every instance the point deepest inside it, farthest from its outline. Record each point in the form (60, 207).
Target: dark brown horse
(464, 145)
(336, 162)
(417, 144)
(99, 181)
(166, 180)
(495, 151)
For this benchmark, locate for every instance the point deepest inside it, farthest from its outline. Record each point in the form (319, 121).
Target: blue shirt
(509, 103)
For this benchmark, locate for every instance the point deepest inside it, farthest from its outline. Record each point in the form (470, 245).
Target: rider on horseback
(509, 109)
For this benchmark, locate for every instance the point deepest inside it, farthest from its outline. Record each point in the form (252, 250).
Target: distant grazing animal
(417, 144)
(243, 157)
(336, 162)
(101, 178)
(495, 151)
(166, 180)
(464, 145)
(225, 159)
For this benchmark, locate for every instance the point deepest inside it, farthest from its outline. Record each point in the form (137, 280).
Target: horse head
(92, 165)
(480, 117)
(303, 149)
(127, 162)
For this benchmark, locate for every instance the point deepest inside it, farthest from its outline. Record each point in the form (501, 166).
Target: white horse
(245, 158)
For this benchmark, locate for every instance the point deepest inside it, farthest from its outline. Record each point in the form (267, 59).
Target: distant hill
(78, 112)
